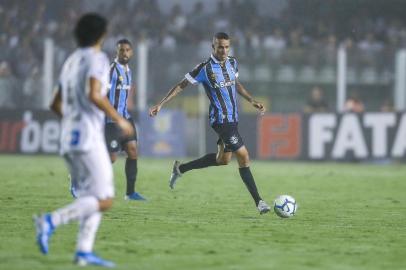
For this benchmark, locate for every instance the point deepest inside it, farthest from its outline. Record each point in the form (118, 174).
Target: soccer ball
(285, 206)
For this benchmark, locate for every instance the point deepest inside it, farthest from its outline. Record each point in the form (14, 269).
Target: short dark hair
(89, 29)
(124, 41)
(221, 35)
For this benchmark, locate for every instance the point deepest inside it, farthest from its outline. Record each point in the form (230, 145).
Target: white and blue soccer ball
(285, 206)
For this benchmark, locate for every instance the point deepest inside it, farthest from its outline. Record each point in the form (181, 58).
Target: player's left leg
(100, 185)
(84, 255)
(131, 170)
(88, 227)
(47, 223)
(246, 175)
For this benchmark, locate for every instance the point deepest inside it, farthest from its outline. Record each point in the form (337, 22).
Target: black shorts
(229, 135)
(115, 141)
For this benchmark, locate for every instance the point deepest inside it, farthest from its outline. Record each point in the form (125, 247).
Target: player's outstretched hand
(126, 127)
(261, 108)
(153, 111)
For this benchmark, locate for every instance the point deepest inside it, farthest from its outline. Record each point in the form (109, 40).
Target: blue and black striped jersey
(120, 85)
(219, 82)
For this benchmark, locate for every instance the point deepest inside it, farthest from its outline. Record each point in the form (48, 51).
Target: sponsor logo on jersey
(227, 84)
(123, 87)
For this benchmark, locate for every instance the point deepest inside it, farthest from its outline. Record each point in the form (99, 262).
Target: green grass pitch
(350, 216)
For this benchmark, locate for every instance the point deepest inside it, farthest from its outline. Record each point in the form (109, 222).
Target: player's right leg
(131, 170)
(80, 208)
(246, 175)
(47, 223)
(44, 230)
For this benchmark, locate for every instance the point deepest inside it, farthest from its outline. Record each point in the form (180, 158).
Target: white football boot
(175, 174)
(263, 207)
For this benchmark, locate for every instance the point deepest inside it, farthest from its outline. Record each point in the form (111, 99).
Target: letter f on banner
(321, 127)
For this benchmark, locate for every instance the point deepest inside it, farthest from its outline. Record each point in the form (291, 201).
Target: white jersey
(82, 121)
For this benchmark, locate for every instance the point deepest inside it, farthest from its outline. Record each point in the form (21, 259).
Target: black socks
(131, 174)
(210, 160)
(249, 182)
(203, 162)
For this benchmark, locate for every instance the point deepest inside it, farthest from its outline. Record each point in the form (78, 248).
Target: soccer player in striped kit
(219, 76)
(120, 86)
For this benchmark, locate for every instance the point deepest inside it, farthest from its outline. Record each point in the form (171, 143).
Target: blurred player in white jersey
(81, 102)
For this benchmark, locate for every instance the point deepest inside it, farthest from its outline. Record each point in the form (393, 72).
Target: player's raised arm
(245, 94)
(153, 111)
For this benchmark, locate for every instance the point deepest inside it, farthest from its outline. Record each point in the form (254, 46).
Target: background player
(120, 86)
(80, 100)
(219, 76)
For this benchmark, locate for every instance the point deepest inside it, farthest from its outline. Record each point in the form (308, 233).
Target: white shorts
(91, 172)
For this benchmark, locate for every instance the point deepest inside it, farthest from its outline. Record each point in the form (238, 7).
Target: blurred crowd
(317, 102)
(370, 26)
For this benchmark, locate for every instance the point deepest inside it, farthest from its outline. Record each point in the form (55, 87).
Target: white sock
(88, 227)
(79, 209)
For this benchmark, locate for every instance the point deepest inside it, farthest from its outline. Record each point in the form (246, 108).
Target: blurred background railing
(283, 81)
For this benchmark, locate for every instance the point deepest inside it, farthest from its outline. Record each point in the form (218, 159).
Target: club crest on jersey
(114, 144)
(233, 139)
(120, 78)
